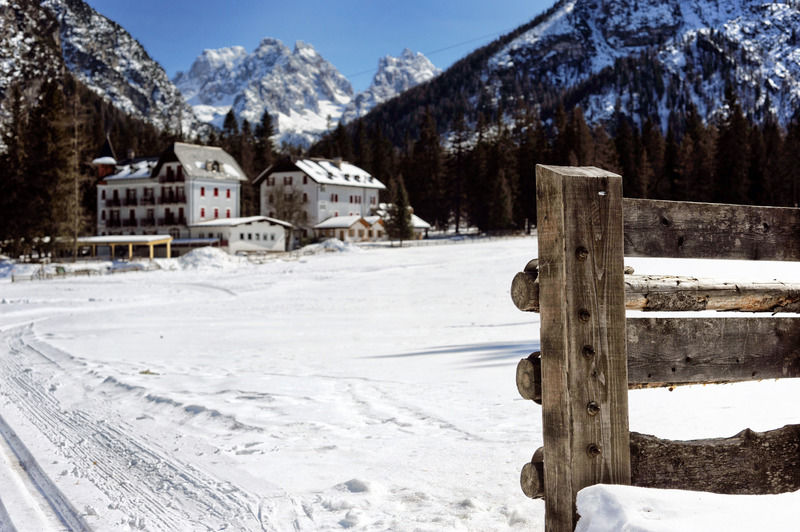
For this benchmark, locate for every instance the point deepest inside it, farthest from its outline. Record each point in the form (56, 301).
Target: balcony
(148, 221)
(167, 199)
(129, 222)
(148, 200)
(131, 202)
(113, 223)
(172, 178)
(113, 202)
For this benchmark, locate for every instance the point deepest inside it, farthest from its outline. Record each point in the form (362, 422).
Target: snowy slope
(368, 390)
(304, 94)
(395, 75)
(694, 46)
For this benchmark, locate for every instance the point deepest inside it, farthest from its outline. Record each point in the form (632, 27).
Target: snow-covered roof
(206, 162)
(329, 172)
(233, 222)
(137, 169)
(419, 223)
(105, 160)
(341, 222)
(372, 220)
(124, 239)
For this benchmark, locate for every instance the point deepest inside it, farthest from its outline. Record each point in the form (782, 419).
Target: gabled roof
(326, 172)
(206, 162)
(341, 222)
(137, 169)
(233, 222)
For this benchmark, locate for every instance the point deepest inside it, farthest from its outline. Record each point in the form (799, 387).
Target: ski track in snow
(140, 478)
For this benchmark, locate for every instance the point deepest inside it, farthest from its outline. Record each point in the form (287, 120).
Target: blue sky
(351, 34)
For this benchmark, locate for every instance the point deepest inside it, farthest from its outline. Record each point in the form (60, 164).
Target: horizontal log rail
(747, 463)
(679, 293)
(682, 229)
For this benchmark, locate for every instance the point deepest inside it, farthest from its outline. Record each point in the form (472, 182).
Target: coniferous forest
(481, 173)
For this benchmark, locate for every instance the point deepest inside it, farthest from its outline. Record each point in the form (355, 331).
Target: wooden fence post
(584, 366)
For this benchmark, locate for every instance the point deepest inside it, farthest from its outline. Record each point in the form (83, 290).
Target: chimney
(131, 154)
(337, 161)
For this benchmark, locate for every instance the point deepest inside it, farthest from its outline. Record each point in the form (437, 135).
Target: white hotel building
(186, 185)
(328, 188)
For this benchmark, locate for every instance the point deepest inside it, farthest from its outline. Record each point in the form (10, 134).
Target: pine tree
(399, 226)
(45, 164)
(12, 181)
(500, 203)
(731, 183)
(264, 149)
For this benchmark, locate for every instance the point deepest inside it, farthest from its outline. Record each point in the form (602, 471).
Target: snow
(370, 390)
(615, 508)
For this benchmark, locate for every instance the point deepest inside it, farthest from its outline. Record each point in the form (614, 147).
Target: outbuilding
(251, 234)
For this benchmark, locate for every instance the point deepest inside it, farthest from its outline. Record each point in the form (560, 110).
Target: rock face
(685, 50)
(105, 57)
(30, 48)
(304, 94)
(395, 75)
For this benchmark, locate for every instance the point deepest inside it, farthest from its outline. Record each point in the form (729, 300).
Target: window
(202, 191)
(228, 193)
(241, 236)
(351, 232)
(272, 237)
(249, 236)
(202, 212)
(305, 179)
(227, 213)
(103, 215)
(258, 236)
(361, 233)
(216, 192)
(103, 194)
(305, 197)
(216, 213)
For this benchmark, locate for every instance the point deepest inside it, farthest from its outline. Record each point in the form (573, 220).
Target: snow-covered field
(370, 389)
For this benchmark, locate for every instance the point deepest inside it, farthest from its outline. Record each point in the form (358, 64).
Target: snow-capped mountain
(304, 94)
(104, 56)
(645, 58)
(689, 48)
(395, 75)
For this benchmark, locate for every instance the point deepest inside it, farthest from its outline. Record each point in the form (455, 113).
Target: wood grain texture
(747, 463)
(529, 377)
(700, 350)
(582, 335)
(756, 463)
(680, 293)
(656, 228)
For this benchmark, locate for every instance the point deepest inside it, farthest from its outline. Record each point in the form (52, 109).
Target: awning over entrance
(127, 240)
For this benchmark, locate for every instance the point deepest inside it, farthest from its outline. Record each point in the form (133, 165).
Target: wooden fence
(591, 354)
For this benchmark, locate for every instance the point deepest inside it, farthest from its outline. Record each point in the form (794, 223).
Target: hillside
(644, 58)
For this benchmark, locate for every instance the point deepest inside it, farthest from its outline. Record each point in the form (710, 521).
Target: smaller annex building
(351, 228)
(251, 234)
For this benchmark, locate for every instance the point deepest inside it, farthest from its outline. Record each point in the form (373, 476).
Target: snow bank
(209, 258)
(605, 508)
(330, 245)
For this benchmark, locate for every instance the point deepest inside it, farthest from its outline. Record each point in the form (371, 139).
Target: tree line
(483, 174)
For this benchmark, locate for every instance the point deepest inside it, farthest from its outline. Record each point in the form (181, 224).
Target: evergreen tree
(731, 155)
(500, 203)
(13, 215)
(264, 149)
(399, 226)
(425, 184)
(45, 164)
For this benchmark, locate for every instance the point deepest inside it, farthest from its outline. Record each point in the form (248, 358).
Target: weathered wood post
(584, 366)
